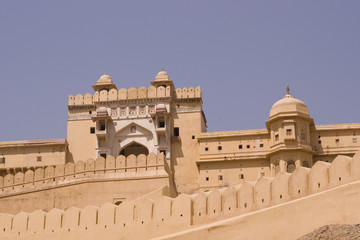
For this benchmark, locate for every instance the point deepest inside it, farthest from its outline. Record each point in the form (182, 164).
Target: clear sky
(241, 53)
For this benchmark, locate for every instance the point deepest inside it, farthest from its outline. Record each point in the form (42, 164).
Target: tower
(289, 127)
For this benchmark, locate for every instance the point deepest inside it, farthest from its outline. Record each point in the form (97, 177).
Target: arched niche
(134, 148)
(290, 166)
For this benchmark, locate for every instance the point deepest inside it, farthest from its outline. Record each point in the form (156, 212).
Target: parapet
(140, 166)
(133, 94)
(148, 217)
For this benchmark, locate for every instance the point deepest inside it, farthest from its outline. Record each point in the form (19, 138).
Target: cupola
(104, 83)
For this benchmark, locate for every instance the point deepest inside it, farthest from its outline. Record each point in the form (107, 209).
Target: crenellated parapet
(140, 217)
(142, 214)
(132, 94)
(120, 167)
(181, 212)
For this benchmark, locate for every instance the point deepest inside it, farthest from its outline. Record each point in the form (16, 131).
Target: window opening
(192, 137)
(102, 126)
(38, 158)
(288, 132)
(161, 123)
(163, 151)
(247, 146)
(276, 137)
(241, 176)
(219, 147)
(206, 149)
(103, 155)
(337, 141)
(176, 132)
(220, 177)
(240, 146)
(2, 160)
(261, 145)
(133, 129)
(92, 130)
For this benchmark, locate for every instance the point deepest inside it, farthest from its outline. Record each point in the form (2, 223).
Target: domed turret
(104, 83)
(162, 79)
(162, 76)
(289, 105)
(104, 79)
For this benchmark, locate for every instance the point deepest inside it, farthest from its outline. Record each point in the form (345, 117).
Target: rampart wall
(133, 93)
(82, 183)
(141, 218)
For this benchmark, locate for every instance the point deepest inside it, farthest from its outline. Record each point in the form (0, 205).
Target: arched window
(291, 166)
(134, 148)
(305, 164)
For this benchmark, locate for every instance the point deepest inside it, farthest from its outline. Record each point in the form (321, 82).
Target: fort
(138, 163)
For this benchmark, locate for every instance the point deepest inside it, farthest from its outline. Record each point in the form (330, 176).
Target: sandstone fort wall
(167, 214)
(133, 93)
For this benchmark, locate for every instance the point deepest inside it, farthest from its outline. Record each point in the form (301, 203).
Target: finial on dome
(287, 89)
(163, 69)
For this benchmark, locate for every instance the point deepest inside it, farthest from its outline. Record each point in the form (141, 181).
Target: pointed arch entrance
(134, 148)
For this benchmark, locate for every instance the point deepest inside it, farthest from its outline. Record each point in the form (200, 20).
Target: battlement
(133, 94)
(140, 166)
(168, 215)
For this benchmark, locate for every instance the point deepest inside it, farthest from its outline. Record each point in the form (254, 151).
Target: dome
(101, 111)
(289, 104)
(104, 79)
(162, 76)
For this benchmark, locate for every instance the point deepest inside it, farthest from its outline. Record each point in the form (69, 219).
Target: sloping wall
(284, 207)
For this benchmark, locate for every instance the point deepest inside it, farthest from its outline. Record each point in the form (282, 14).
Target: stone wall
(164, 213)
(133, 93)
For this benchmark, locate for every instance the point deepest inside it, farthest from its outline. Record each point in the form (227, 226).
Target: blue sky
(241, 53)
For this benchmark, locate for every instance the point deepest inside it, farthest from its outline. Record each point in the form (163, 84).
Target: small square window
(276, 137)
(192, 137)
(92, 130)
(38, 158)
(288, 132)
(2, 160)
(261, 145)
(90, 112)
(319, 141)
(247, 146)
(219, 147)
(207, 178)
(241, 176)
(206, 149)
(220, 177)
(337, 141)
(240, 146)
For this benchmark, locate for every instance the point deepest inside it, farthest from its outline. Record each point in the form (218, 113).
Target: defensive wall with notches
(144, 217)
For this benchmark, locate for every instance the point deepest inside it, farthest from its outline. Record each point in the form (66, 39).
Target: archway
(134, 148)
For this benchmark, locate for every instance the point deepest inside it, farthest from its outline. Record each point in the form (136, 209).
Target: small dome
(101, 111)
(104, 79)
(289, 104)
(162, 76)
